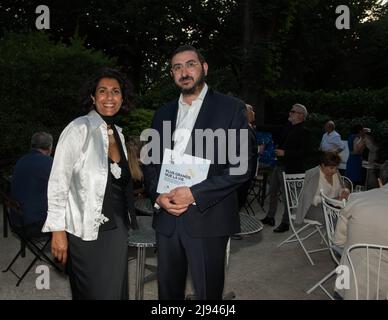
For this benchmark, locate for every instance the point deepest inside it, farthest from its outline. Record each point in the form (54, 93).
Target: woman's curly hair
(89, 89)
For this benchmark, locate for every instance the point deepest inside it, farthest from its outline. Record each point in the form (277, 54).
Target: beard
(197, 84)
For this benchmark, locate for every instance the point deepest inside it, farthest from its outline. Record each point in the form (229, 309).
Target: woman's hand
(59, 246)
(344, 194)
(358, 145)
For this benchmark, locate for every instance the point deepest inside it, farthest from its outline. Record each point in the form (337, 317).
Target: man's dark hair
(41, 140)
(89, 89)
(330, 158)
(384, 173)
(188, 47)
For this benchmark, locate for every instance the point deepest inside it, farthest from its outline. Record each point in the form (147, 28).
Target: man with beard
(193, 224)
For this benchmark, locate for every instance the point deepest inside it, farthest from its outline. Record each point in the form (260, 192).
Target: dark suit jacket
(29, 185)
(216, 210)
(295, 141)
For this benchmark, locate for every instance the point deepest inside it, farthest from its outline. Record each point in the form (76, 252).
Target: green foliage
(138, 120)
(39, 84)
(158, 95)
(346, 108)
(317, 55)
(222, 80)
(336, 104)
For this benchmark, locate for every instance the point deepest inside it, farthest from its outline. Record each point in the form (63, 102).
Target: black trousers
(205, 257)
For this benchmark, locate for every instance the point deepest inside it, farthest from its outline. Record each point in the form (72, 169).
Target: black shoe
(268, 220)
(283, 227)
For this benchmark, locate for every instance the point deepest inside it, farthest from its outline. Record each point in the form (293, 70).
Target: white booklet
(181, 170)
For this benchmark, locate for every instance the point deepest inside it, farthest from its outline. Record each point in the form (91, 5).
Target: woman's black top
(115, 201)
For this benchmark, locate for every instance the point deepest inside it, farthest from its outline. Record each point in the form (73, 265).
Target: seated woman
(324, 177)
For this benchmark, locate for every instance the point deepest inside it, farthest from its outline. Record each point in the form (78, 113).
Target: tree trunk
(251, 90)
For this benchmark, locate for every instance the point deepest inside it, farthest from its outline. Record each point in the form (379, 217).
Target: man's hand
(165, 201)
(182, 195)
(279, 152)
(59, 246)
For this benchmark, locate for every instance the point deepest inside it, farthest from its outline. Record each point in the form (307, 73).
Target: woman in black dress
(90, 197)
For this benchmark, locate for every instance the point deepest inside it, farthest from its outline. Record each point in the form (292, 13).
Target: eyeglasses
(190, 65)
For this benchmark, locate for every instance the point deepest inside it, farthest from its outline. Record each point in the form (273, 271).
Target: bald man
(293, 147)
(331, 139)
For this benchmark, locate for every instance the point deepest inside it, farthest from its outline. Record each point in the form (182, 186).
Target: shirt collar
(200, 97)
(96, 121)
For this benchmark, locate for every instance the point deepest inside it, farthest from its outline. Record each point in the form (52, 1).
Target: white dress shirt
(331, 141)
(185, 120)
(78, 178)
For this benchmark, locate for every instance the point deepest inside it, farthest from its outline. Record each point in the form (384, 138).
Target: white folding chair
(293, 184)
(369, 268)
(347, 183)
(331, 211)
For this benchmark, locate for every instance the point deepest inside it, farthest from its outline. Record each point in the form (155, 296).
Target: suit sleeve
(212, 190)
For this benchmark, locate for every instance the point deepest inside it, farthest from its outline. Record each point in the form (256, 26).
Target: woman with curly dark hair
(90, 197)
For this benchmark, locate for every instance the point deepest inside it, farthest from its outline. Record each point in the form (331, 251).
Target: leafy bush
(159, 95)
(221, 80)
(337, 104)
(39, 84)
(138, 120)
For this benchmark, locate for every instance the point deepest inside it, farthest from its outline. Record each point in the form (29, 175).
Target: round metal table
(249, 224)
(144, 206)
(142, 239)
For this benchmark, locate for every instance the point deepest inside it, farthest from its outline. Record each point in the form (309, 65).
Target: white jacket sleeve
(67, 153)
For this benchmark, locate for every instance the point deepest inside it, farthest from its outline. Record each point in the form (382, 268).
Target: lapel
(174, 114)
(203, 115)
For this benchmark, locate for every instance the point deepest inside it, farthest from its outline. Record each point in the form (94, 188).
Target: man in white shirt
(331, 139)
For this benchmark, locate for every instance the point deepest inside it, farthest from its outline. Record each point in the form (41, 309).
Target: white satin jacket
(78, 178)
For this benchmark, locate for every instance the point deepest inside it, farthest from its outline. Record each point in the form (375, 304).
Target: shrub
(337, 104)
(138, 120)
(39, 85)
